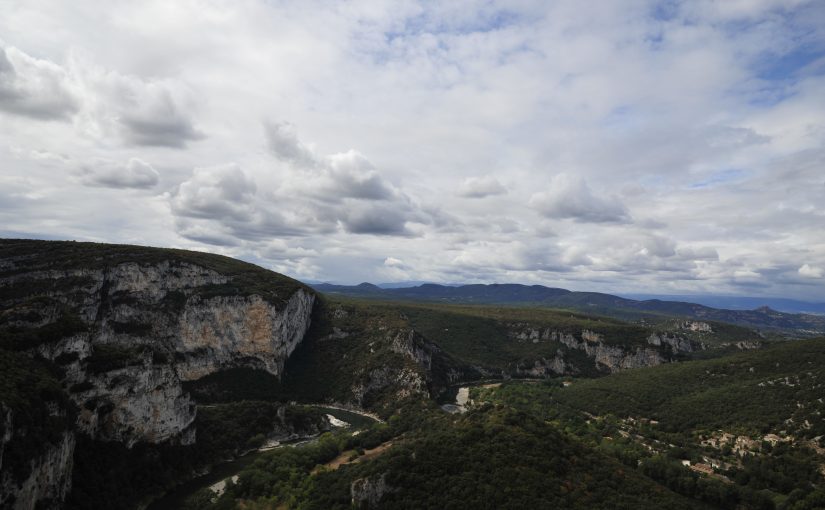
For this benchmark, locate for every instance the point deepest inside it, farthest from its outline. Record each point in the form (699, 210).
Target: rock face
(49, 482)
(701, 327)
(405, 382)
(136, 331)
(139, 403)
(605, 357)
(240, 328)
(402, 379)
(676, 343)
(367, 492)
(155, 322)
(544, 367)
(614, 358)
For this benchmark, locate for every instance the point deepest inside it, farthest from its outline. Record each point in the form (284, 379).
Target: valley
(130, 372)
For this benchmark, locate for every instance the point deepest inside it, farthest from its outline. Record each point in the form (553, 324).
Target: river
(174, 499)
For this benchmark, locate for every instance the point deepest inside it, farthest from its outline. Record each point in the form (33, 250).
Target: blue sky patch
(721, 177)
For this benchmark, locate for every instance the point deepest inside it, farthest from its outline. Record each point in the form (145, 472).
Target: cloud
(136, 173)
(330, 178)
(222, 192)
(353, 176)
(571, 198)
(510, 256)
(312, 195)
(34, 88)
(385, 220)
(480, 187)
(809, 271)
(698, 253)
(704, 119)
(394, 262)
(282, 139)
(144, 112)
(149, 116)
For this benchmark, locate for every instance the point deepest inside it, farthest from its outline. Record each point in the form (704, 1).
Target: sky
(616, 146)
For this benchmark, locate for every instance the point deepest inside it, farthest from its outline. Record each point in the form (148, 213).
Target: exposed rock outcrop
(544, 367)
(614, 358)
(606, 357)
(41, 480)
(676, 343)
(367, 492)
(126, 334)
(223, 332)
(404, 382)
(138, 403)
(697, 326)
(49, 480)
(417, 349)
(186, 334)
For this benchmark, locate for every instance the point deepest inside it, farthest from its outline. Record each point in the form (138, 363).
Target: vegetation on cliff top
(21, 255)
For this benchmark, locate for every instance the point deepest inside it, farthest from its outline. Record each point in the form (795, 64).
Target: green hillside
(491, 458)
(753, 420)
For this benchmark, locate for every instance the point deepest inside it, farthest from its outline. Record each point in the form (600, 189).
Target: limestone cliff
(368, 492)
(49, 480)
(127, 325)
(410, 376)
(611, 357)
(604, 356)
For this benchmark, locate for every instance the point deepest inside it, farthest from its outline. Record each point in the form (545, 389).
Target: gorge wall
(121, 328)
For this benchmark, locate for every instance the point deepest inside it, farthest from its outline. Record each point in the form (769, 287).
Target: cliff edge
(119, 328)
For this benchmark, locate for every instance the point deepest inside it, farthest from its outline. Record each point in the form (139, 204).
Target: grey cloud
(282, 140)
(353, 176)
(162, 132)
(702, 253)
(221, 205)
(146, 113)
(637, 252)
(225, 199)
(516, 256)
(480, 187)
(377, 220)
(158, 122)
(571, 198)
(659, 246)
(332, 178)
(206, 234)
(136, 173)
(217, 192)
(34, 88)
(343, 189)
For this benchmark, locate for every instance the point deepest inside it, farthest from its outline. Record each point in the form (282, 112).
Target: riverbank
(347, 409)
(220, 472)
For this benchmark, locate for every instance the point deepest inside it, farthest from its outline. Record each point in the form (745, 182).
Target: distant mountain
(763, 317)
(405, 284)
(739, 302)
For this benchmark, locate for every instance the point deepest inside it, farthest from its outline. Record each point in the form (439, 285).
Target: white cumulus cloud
(810, 271)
